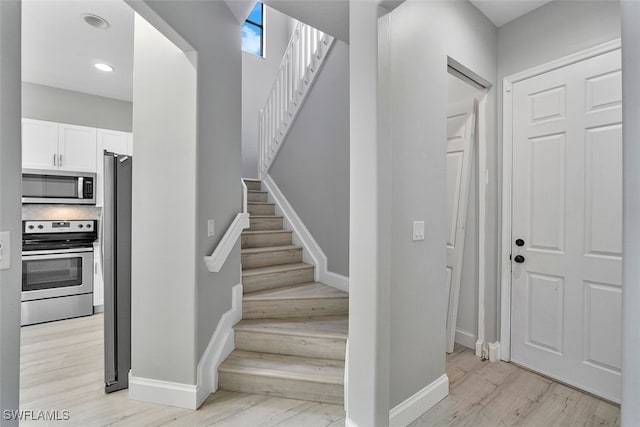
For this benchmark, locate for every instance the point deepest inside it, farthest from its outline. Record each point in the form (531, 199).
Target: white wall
(367, 391)
(163, 331)
(631, 215)
(258, 75)
(10, 196)
(331, 17)
(66, 106)
(418, 87)
(550, 32)
(312, 166)
(467, 322)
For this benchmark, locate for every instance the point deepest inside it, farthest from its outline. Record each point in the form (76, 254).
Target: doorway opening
(466, 157)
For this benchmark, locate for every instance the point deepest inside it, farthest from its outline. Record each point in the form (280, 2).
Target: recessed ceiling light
(103, 67)
(96, 21)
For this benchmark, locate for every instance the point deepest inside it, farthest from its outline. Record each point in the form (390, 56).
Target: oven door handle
(59, 253)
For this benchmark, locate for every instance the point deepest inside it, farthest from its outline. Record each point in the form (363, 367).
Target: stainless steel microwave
(52, 186)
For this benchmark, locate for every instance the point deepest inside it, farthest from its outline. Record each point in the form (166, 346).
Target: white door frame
(459, 70)
(507, 177)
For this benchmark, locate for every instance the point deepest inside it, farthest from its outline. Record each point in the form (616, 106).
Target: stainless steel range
(57, 269)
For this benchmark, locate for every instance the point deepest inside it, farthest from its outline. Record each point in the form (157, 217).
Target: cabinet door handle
(95, 268)
(60, 160)
(54, 160)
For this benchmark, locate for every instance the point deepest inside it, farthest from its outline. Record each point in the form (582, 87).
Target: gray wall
(163, 330)
(211, 29)
(550, 32)
(331, 17)
(418, 88)
(631, 236)
(10, 196)
(66, 106)
(258, 75)
(312, 167)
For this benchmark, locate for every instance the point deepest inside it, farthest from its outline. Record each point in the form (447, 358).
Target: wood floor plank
(482, 393)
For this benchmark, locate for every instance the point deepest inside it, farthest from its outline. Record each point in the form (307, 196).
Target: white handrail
(244, 196)
(216, 260)
(300, 64)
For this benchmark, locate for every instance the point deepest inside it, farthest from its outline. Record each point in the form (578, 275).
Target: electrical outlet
(210, 228)
(5, 250)
(418, 230)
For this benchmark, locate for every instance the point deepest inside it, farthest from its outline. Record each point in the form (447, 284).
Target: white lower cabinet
(98, 279)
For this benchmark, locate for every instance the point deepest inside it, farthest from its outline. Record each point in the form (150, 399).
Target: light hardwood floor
(62, 369)
(502, 394)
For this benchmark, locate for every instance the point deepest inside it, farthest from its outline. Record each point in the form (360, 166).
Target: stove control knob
(31, 227)
(88, 225)
(80, 226)
(40, 226)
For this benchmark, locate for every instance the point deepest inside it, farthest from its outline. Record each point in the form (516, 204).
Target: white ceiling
(502, 11)
(59, 48)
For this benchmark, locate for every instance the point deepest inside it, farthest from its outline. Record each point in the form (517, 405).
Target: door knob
(519, 242)
(519, 259)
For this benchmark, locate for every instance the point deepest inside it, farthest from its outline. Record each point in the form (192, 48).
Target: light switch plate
(5, 250)
(418, 230)
(210, 228)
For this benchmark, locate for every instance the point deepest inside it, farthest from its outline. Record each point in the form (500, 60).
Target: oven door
(51, 274)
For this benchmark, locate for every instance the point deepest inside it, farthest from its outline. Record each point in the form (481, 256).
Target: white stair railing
(216, 260)
(300, 65)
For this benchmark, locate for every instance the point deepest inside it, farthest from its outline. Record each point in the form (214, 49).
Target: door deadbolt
(519, 242)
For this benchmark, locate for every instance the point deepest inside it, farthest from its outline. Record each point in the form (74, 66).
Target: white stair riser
(292, 345)
(264, 259)
(256, 197)
(264, 282)
(253, 185)
(266, 239)
(257, 224)
(261, 209)
(266, 309)
(281, 387)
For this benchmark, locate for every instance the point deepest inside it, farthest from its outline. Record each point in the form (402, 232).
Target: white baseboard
(465, 338)
(163, 392)
(220, 346)
(192, 396)
(312, 253)
(411, 409)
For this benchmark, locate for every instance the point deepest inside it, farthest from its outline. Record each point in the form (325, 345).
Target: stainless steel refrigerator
(116, 256)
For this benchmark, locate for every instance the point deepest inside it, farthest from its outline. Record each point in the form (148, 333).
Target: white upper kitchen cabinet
(39, 144)
(130, 144)
(58, 146)
(76, 148)
(113, 141)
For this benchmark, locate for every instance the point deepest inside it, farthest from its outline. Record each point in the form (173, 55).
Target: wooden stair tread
(312, 290)
(320, 327)
(256, 191)
(256, 232)
(264, 216)
(251, 179)
(282, 366)
(264, 249)
(276, 269)
(261, 203)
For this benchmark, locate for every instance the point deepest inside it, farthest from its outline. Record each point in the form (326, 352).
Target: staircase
(292, 336)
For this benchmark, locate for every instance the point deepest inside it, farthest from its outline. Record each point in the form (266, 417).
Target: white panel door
(460, 131)
(567, 224)
(76, 148)
(39, 144)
